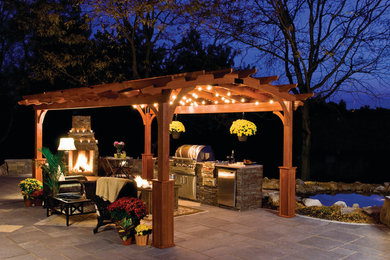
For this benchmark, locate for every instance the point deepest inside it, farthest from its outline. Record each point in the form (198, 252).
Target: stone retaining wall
(18, 166)
(311, 187)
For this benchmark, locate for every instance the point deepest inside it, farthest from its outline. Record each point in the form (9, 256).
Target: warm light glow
(66, 144)
(229, 94)
(257, 102)
(209, 87)
(227, 101)
(170, 102)
(242, 100)
(82, 163)
(223, 98)
(142, 106)
(173, 97)
(194, 95)
(155, 104)
(141, 183)
(200, 88)
(184, 97)
(233, 101)
(190, 99)
(216, 94)
(135, 106)
(182, 103)
(271, 101)
(215, 102)
(203, 102)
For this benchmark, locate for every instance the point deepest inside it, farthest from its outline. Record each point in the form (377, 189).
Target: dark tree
(323, 46)
(192, 54)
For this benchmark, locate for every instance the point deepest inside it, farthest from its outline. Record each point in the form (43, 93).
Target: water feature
(350, 199)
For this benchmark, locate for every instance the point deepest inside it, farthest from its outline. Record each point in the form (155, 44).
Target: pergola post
(287, 172)
(39, 117)
(147, 156)
(163, 187)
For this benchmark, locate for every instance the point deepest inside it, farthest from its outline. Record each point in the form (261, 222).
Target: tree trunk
(306, 142)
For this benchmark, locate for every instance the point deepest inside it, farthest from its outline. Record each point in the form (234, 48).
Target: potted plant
(51, 170)
(142, 236)
(28, 187)
(119, 146)
(128, 212)
(175, 128)
(243, 128)
(37, 197)
(125, 228)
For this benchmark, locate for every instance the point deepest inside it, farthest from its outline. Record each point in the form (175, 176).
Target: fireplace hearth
(84, 160)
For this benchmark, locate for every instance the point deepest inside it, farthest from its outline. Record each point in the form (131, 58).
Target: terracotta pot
(127, 242)
(142, 240)
(175, 135)
(28, 202)
(242, 138)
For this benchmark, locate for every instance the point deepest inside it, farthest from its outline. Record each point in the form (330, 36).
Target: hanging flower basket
(243, 128)
(175, 128)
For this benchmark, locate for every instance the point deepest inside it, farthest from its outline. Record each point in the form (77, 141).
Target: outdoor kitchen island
(235, 186)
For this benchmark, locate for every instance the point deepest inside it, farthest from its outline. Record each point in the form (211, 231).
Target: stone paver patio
(214, 234)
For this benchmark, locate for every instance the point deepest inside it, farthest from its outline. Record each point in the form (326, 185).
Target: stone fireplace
(84, 160)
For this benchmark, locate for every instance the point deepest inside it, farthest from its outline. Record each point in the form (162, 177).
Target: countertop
(238, 166)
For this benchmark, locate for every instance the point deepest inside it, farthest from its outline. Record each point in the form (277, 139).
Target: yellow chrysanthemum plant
(143, 230)
(242, 127)
(28, 186)
(176, 126)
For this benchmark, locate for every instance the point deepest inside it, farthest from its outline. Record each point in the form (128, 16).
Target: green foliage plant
(126, 228)
(52, 169)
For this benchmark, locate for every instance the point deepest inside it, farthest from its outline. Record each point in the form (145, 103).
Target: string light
(271, 101)
(174, 97)
(223, 98)
(233, 101)
(142, 106)
(257, 102)
(135, 106)
(209, 87)
(229, 94)
(170, 102)
(216, 94)
(242, 100)
(203, 102)
(184, 97)
(155, 104)
(215, 102)
(200, 88)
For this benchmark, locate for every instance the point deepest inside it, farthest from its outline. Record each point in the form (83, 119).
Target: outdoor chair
(101, 205)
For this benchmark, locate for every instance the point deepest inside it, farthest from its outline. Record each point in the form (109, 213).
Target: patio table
(68, 205)
(118, 167)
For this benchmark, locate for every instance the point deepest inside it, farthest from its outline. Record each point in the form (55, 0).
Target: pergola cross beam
(258, 95)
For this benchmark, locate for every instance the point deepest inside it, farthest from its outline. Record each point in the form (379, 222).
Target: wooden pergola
(224, 91)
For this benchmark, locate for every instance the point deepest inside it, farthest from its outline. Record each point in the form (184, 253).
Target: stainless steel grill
(184, 167)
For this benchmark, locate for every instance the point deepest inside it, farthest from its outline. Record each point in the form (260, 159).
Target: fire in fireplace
(84, 160)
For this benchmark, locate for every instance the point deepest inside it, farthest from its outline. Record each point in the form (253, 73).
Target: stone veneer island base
(248, 185)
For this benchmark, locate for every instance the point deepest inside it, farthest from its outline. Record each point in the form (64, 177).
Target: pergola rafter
(223, 91)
